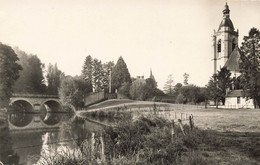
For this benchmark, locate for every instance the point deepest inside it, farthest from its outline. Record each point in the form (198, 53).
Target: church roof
(235, 93)
(232, 63)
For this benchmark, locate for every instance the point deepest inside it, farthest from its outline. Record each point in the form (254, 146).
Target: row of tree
(95, 77)
(31, 76)
(25, 74)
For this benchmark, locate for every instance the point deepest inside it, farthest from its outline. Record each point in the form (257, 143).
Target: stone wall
(121, 96)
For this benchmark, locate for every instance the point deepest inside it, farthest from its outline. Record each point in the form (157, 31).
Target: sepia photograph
(129, 82)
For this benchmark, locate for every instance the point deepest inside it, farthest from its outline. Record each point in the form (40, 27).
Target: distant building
(227, 54)
(139, 77)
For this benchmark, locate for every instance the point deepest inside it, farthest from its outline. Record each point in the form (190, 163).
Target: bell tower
(225, 39)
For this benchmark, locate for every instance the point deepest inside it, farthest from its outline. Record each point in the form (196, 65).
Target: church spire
(226, 11)
(151, 75)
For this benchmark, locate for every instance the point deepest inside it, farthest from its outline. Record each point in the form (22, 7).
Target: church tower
(225, 40)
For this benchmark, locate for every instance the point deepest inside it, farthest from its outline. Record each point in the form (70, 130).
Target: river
(25, 138)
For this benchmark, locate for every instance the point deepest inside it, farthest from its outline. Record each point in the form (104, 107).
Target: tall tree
(53, 76)
(87, 70)
(249, 65)
(9, 73)
(120, 74)
(224, 82)
(186, 78)
(150, 87)
(31, 78)
(177, 89)
(107, 67)
(212, 91)
(168, 87)
(97, 75)
(218, 85)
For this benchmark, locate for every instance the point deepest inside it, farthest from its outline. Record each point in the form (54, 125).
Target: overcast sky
(168, 36)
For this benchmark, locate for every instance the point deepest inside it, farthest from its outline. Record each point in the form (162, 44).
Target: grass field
(236, 120)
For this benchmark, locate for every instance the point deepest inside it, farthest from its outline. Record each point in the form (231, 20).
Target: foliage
(9, 73)
(224, 82)
(54, 76)
(87, 70)
(250, 62)
(168, 87)
(31, 78)
(137, 89)
(190, 94)
(80, 155)
(120, 74)
(212, 90)
(147, 140)
(186, 78)
(96, 74)
(180, 99)
(143, 89)
(177, 88)
(124, 89)
(72, 91)
(107, 67)
(218, 84)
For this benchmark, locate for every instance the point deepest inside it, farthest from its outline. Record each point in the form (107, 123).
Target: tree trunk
(254, 103)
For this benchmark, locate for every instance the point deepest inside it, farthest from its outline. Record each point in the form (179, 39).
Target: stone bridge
(36, 103)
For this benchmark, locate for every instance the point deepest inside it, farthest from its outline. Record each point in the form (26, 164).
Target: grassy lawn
(223, 120)
(108, 103)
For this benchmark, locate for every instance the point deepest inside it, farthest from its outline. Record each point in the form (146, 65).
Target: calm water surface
(25, 137)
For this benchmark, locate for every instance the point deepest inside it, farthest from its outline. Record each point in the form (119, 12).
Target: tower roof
(226, 21)
(232, 63)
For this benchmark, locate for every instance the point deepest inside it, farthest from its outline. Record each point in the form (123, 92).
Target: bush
(148, 140)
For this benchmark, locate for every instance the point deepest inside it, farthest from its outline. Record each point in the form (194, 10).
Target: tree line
(25, 73)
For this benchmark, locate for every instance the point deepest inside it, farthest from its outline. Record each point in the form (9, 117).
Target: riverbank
(154, 140)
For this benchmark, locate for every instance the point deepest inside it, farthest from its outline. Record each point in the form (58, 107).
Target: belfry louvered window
(219, 46)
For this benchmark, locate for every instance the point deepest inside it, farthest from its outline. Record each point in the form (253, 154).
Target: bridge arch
(22, 105)
(51, 105)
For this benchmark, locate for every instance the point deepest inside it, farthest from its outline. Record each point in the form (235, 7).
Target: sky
(167, 36)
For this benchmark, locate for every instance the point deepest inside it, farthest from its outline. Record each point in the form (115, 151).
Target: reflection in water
(20, 119)
(7, 154)
(27, 146)
(51, 118)
(21, 106)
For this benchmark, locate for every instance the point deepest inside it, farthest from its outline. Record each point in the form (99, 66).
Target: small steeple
(151, 75)
(226, 10)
